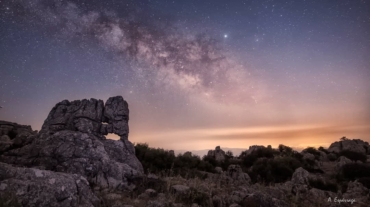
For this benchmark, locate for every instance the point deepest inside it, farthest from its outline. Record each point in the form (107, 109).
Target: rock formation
(72, 141)
(218, 154)
(354, 145)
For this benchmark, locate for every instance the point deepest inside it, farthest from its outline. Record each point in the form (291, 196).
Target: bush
(313, 151)
(249, 159)
(154, 160)
(322, 149)
(354, 171)
(353, 155)
(322, 185)
(365, 181)
(274, 170)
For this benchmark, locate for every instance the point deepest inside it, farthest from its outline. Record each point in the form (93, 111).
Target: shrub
(249, 159)
(322, 185)
(154, 160)
(365, 181)
(285, 150)
(274, 170)
(313, 151)
(323, 150)
(353, 155)
(8, 199)
(354, 171)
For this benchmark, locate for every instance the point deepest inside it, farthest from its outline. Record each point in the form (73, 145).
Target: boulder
(342, 161)
(300, 177)
(42, 188)
(237, 174)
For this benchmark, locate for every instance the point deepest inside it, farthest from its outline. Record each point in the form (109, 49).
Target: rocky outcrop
(354, 145)
(236, 173)
(72, 141)
(89, 116)
(218, 154)
(14, 135)
(42, 188)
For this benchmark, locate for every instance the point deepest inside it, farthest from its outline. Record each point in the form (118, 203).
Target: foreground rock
(41, 188)
(72, 141)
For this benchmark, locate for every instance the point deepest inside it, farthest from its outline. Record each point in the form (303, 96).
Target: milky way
(196, 74)
(192, 62)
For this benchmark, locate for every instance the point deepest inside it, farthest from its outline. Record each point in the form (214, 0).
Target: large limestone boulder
(72, 141)
(218, 154)
(33, 187)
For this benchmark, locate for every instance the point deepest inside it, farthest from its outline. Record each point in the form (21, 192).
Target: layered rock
(72, 141)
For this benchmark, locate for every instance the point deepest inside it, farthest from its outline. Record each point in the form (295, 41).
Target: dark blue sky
(195, 73)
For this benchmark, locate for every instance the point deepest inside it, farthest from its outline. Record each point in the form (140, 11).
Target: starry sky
(196, 74)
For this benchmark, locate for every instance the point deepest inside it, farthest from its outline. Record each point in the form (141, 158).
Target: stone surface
(71, 141)
(237, 174)
(218, 154)
(342, 161)
(354, 145)
(300, 176)
(40, 188)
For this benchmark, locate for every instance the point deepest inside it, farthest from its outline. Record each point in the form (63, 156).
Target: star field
(196, 74)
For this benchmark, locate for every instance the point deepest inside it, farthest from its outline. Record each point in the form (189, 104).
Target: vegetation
(275, 170)
(353, 155)
(324, 185)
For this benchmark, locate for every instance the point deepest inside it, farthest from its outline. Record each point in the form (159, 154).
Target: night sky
(196, 74)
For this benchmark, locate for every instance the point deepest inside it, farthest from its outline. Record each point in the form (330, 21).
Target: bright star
(225, 36)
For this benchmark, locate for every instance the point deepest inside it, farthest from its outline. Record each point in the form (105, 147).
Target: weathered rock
(13, 135)
(342, 161)
(354, 145)
(218, 154)
(116, 113)
(237, 174)
(355, 189)
(41, 188)
(70, 141)
(300, 176)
